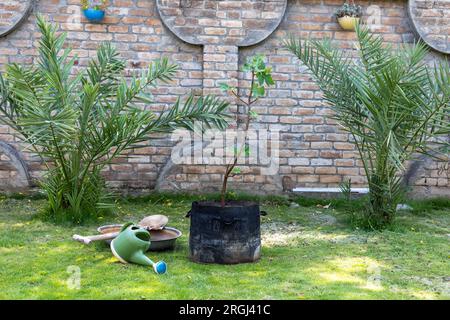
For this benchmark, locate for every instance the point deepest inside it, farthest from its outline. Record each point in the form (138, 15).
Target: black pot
(225, 235)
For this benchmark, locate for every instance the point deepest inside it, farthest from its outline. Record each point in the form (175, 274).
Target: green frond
(210, 111)
(106, 70)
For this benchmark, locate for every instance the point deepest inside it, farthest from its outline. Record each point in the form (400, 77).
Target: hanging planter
(94, 15)
(348, 23)
(94, 12)
(348, 16)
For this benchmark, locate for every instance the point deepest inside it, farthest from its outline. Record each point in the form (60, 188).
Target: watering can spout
(142, 259)
(160, 267)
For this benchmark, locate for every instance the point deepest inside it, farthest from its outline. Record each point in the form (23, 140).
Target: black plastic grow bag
(225, 235)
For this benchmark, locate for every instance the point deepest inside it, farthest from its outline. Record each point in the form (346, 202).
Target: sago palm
(390, 101)
(78, 123)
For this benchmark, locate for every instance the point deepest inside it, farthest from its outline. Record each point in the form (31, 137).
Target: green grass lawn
(308, 253)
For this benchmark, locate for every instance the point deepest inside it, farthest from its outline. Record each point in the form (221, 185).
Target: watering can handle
(89, 239)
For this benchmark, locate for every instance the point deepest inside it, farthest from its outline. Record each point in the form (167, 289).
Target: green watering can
(130, 245)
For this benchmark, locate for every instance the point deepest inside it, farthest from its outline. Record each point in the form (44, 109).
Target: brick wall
(313, 151)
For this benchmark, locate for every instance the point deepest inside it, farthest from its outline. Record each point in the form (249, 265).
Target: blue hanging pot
(94, 15)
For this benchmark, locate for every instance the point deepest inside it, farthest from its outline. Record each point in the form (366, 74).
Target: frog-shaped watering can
(131, 243)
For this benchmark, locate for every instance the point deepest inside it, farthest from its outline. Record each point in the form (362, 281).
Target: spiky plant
(79, 123)
(346, 189)
(350, 10)
(97, 5)
(390, 101)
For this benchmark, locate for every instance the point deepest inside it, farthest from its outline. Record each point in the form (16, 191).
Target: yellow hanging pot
(348, 23)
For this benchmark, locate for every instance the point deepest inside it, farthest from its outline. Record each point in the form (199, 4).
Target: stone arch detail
(24, 6)
(430, 20)
(240, 23)
(23, 179)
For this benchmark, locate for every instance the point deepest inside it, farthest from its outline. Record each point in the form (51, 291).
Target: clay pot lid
(154, 222)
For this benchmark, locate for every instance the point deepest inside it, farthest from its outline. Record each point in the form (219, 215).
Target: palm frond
(210, 111)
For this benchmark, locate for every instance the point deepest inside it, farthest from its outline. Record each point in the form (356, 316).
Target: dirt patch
(323, 219)
(278, 233)
(439, 285)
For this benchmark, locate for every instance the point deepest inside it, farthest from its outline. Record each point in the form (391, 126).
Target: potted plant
(348, 15)
(94, 12)
(229, 231)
